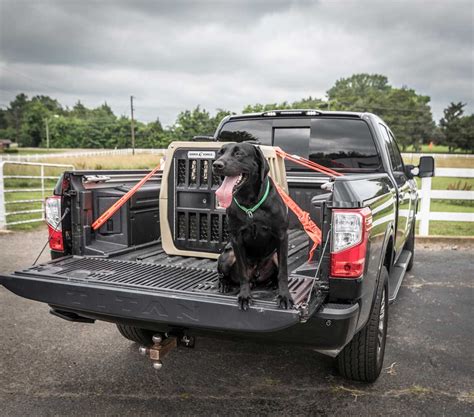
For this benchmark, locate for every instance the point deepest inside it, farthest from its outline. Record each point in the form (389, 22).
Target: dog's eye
(238, 154)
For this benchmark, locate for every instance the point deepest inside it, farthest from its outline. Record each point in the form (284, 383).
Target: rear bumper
(334, 326)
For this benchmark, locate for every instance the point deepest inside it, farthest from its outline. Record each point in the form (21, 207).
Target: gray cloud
(175, 55)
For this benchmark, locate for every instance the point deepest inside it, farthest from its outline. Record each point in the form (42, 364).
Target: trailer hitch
(162, 345)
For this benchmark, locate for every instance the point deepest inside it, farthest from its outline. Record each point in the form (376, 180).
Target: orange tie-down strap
(119, 203)
(313, 231)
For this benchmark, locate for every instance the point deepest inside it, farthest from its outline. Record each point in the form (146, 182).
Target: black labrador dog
(257, 220)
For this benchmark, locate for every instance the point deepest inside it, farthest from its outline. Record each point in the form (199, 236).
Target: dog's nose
(218, 165)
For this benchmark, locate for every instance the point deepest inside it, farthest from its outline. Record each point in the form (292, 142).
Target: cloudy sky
(225, 54)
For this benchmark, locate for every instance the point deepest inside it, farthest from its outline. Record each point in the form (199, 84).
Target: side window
(395, 157)
(396, 152)
(343, 144)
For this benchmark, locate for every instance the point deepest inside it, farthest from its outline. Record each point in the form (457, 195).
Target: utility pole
(46, 122)
(47, 132)
(132, 125)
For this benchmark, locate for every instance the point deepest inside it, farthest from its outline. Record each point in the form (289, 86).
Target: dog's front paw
(284, 300)
(223, 285)
(244, 300)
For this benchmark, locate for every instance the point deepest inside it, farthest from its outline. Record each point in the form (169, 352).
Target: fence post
(425, 206)
(42, 190)
(3, 217)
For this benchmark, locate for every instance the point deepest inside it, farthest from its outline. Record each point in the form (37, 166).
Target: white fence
(69, 154)
(7, 205)
(427, 194)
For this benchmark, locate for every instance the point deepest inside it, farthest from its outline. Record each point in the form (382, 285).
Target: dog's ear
(262, 163)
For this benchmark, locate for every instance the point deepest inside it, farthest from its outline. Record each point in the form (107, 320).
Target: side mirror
(409, 171)
(426, 168)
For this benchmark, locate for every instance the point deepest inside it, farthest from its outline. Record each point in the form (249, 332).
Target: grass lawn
(141, 161)
(439, 228)
(435, 149)
(442, 183)
(34, 151)
(10, 197)
(453, 206)
(451, 161)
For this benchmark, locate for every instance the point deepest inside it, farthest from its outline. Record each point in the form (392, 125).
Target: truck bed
(147, 284)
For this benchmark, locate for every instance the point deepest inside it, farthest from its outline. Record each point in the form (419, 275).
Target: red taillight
(53, 219)
(55, 239)
(349, 242)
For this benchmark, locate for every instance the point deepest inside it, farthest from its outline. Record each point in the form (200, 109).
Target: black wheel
(362, 359)
(410, 246)
(135, 334)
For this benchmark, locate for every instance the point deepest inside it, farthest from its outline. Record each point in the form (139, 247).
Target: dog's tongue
(224, 192)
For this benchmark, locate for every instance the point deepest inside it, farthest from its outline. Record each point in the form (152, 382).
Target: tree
(79, 110)
(103, 111)
(3, 119)
(467, 133)
(151, 135)
(407, 113)
(409, 116)
(6, 131)
(311, 103)
(305, 103)
(449, 123)
(33, 129)
(195, 122)
(457, 130)
(348, 91)
(221, 113)
(50, 104)
(15, 114)
(259, 108)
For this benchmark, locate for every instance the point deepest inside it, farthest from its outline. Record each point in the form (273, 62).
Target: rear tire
(135, 334)
(410, 246)
(362, 359)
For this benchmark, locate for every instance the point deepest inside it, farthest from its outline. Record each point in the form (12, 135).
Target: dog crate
(191, 222)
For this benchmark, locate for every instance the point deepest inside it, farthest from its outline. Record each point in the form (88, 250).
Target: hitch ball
(157, 365)
(188, 341)
(142, 350)
(157, 338)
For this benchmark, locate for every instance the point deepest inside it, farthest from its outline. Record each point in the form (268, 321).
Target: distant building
(5, 143)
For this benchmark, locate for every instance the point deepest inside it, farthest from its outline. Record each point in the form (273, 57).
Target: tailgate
(171, 294)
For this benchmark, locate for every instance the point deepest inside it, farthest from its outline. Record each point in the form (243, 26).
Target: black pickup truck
(151, 268)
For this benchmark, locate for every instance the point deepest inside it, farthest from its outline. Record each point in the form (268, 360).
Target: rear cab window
(339, 143)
